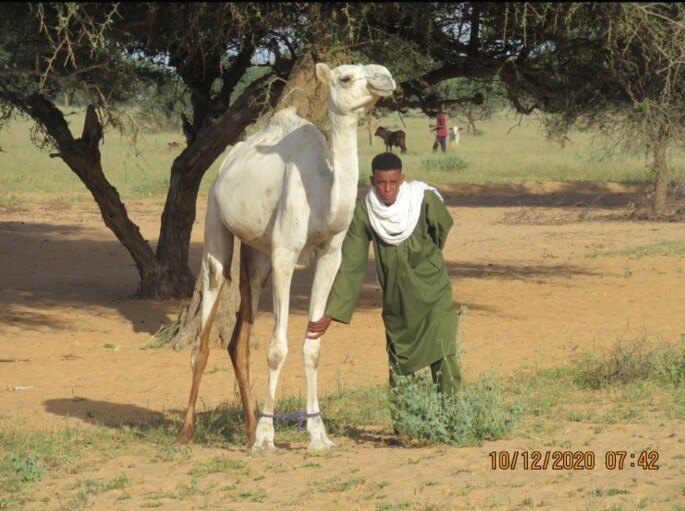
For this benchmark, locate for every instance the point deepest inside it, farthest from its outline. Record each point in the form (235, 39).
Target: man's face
(387, 184)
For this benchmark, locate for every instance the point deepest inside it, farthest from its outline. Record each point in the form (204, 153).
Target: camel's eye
(346, 79)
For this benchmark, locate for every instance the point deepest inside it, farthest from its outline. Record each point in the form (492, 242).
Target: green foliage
(552, 396)
(27, 467)
(440, 162)
(510, 151)
(251, 75)
(469, 100)
(164, 334)
(477, 413)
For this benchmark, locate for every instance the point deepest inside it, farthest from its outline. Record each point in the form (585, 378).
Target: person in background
(440, 128)
(407, 223)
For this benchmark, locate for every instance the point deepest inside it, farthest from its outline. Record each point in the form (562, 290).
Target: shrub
(477, 413)
(28, 468)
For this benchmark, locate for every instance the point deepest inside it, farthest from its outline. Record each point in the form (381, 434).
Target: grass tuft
(163, 335)
(627, 363)
(451, 163)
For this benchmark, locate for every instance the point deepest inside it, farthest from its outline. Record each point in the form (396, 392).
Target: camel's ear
(324, 73)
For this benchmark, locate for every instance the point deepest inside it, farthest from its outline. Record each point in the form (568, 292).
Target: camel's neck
(345, 166)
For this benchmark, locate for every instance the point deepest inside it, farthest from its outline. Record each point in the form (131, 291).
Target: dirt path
(529, 263)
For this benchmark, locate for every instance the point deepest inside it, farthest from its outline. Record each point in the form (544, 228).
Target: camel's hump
(288, 118)
(281, 124)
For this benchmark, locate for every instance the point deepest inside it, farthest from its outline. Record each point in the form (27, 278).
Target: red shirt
(441, 129)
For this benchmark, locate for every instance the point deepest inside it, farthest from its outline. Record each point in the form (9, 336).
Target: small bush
(477, 413)
(28, 468)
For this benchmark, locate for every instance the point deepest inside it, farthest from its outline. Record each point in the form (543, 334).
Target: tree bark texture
(304, 92)
(164, 273)
(190, 317)
(663, 175)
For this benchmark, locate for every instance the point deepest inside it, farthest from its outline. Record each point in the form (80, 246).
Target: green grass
(506, 150)
(664, 248)
(510, 151)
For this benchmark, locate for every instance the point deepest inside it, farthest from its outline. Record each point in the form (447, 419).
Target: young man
(440, 129)
(407, 223)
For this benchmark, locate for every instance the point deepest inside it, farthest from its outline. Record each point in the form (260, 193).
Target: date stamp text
(573, 460)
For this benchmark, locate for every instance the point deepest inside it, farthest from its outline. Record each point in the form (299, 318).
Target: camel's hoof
(264, 446)
(185, 436)
(321, 443)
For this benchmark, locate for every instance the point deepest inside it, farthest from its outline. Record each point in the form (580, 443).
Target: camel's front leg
(326, 268)
(282, 267)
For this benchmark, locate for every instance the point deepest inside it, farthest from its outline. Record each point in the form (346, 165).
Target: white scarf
(396, 222)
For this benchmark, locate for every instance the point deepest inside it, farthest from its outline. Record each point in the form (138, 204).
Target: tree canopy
(222, 66)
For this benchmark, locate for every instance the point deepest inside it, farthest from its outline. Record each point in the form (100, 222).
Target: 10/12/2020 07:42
(572, 460)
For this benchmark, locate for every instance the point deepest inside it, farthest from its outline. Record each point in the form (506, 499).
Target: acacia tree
(106, 50)
(646, 44)
(614, 67)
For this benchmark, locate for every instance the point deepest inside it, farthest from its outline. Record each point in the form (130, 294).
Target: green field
(507, 149)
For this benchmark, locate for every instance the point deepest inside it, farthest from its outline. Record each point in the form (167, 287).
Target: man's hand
(316, 329)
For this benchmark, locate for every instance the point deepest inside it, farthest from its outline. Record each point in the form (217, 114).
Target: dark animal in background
(392, 138)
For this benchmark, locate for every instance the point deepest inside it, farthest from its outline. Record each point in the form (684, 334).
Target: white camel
(289, 199)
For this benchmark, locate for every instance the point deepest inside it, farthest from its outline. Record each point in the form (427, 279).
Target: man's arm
(438, 218)
(348, 281)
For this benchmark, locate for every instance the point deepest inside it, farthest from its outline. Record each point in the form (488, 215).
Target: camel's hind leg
(216, 265)
(254, 270)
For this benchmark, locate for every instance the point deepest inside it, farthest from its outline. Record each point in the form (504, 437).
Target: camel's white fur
(288, 198)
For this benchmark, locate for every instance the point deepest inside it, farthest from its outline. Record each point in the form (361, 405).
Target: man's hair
(386, 161)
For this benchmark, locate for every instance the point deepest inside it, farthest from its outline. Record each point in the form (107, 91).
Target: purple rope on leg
(288, 416)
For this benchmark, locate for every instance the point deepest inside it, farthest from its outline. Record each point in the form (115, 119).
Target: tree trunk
(83, 157)
(206, 145)
(190, 315)
(306, 94)
(164, 274)
(663, 175)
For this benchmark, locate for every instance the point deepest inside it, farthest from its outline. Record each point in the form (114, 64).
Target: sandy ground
(521, 262)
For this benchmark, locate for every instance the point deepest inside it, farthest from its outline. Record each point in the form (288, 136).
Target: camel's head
(354, 89)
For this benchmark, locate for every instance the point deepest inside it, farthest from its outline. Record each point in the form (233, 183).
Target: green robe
(418, 313)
